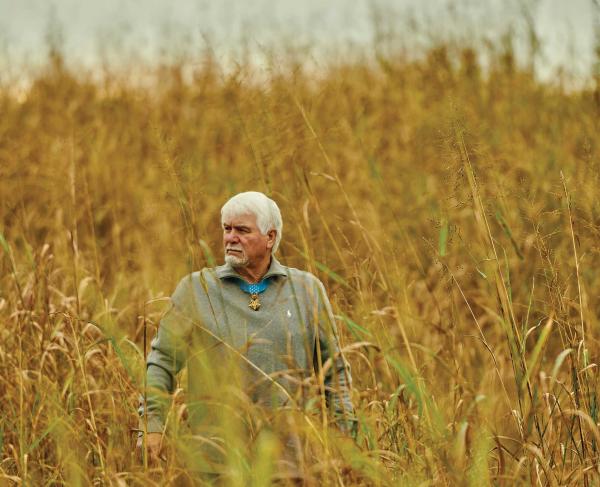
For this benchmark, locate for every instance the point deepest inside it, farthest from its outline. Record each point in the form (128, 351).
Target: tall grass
(452, 212)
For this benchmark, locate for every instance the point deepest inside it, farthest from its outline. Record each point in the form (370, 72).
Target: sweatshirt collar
(275, 269)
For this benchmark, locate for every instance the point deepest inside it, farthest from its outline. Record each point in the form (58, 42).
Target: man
(273, 322)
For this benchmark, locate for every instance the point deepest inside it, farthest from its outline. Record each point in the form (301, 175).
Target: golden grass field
(452, 213)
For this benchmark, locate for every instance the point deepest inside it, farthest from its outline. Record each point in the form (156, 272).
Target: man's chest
(279, 331)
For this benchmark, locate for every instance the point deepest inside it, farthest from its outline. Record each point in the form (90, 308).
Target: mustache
(233, 247)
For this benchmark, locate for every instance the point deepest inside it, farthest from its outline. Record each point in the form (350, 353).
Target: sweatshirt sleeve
(167, 356)
(337, 376)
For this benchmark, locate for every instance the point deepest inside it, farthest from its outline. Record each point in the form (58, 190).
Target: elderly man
(275, 320)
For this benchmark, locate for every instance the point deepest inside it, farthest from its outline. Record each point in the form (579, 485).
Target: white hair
(268, 216)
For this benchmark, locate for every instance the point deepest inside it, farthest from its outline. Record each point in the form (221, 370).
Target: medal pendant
(254, 303)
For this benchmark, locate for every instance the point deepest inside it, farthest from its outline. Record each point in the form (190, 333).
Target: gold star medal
(254, 302)
(254, 291)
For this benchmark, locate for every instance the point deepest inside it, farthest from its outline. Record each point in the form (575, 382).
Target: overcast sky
(144, 28)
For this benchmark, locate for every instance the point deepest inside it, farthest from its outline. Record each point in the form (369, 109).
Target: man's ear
(271, 234)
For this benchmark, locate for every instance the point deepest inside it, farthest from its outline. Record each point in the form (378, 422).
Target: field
(451, 211)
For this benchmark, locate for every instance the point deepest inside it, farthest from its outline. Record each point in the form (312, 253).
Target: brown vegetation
(452, 213)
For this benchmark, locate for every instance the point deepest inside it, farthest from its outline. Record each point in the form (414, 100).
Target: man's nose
(231, 237)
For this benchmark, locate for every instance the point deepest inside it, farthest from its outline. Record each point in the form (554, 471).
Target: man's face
(243, 243)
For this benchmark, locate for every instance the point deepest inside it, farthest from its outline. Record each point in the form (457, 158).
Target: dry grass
(454, 216)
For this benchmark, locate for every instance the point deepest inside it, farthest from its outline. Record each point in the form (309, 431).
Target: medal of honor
(254, 302)
(254, 291)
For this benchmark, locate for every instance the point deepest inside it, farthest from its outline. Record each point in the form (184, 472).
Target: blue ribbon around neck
(255, 288)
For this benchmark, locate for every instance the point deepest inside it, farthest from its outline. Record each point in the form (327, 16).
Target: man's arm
(167, 357)
(337, 378)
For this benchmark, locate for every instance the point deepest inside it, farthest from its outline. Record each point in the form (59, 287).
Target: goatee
(235, 261)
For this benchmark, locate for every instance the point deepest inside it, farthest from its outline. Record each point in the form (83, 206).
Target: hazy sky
(142, 28)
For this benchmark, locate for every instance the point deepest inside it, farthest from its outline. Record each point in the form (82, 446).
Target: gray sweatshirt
(211, 326)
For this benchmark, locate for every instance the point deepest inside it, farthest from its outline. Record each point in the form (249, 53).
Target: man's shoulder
(302, 276)
(192, 276)
(196, 286)
(207, 275)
